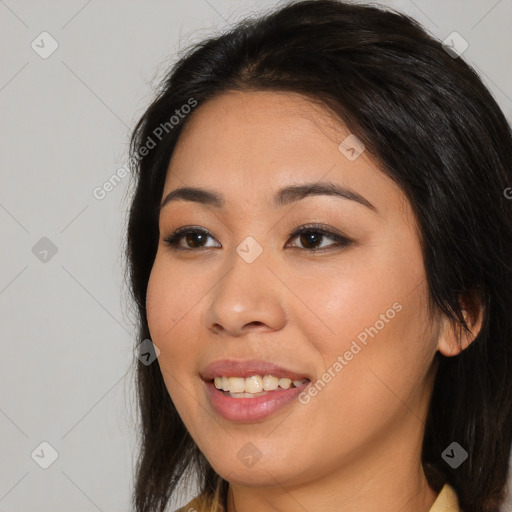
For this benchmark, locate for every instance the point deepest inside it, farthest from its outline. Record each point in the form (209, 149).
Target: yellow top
(446, 501)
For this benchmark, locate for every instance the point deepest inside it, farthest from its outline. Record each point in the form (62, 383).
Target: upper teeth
(255, 383)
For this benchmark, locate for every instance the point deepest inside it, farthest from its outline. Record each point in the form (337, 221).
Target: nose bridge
(247, 293)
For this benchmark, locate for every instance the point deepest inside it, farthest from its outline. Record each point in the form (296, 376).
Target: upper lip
(247, 368)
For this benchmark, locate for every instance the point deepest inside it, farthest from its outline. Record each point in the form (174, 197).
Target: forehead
(258, 126)
(250, 144)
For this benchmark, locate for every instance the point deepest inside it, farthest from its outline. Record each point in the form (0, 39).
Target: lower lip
(251, 409)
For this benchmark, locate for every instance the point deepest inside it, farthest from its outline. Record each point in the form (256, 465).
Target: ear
(453, 339)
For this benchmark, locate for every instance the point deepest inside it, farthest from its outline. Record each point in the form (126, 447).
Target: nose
(247, 298)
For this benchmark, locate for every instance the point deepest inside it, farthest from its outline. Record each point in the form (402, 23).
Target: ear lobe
(453, 338)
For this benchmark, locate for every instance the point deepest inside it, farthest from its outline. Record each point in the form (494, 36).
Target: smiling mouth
(244, 407)
(255, 386)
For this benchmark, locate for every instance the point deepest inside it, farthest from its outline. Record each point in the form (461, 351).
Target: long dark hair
(435, 129)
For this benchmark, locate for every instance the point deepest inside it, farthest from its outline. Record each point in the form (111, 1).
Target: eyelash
(341, 241)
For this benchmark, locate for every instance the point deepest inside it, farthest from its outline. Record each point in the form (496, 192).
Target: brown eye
(194, 239)
(311, 238)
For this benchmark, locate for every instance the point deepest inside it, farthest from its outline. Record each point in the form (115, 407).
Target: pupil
(311, 237)
(190, 238)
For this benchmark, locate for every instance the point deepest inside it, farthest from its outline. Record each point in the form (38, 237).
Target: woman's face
(351, 316)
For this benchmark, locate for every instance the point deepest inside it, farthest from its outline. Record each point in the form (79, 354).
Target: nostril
(256, 323)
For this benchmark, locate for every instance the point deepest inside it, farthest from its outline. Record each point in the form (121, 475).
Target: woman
(319, 246)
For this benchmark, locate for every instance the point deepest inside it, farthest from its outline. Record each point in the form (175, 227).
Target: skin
(356, 445)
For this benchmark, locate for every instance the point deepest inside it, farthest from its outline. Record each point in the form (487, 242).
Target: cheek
(166, 308)
(170, 299)
(342, 303)
(173, 308)
(375, 320)
(159, 306)
(369, 388)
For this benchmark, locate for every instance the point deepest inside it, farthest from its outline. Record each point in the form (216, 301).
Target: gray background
(67, 332)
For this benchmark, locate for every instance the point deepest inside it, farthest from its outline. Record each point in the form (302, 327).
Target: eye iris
(310, 237)
(191, 237)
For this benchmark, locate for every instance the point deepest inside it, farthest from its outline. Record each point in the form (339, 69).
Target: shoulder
(446, 500)
(195, 505)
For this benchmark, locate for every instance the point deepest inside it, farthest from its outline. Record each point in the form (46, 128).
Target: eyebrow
(283, 196)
